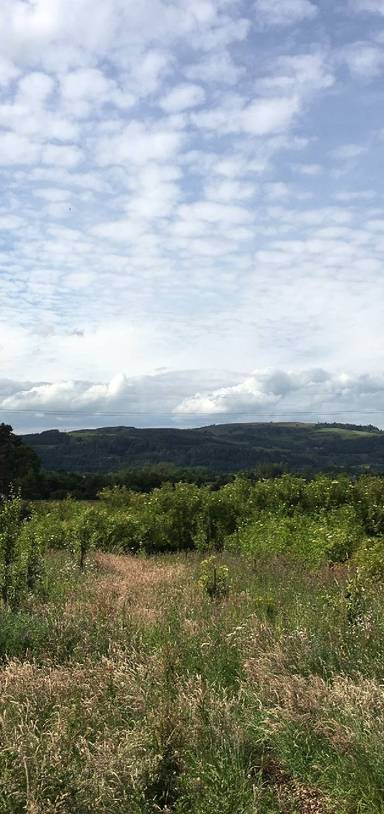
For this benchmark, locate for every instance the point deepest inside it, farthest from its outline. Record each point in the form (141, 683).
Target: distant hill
(219, 448)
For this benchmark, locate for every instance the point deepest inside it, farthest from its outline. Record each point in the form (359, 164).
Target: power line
(126, 413)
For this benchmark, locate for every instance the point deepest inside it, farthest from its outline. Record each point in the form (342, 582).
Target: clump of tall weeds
(21, 553)
(214, 578)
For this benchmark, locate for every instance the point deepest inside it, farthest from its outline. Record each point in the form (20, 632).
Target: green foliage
(21, 552)
(321, 520)
(19, 464)
(370, 560)
(10, 525)
(154, 695)
(120, 497)
(315, 539)
(214, 578)
(262, 447)
(368, 498)
(83, 534)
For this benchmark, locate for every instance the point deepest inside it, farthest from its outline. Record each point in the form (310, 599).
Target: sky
(192, 212)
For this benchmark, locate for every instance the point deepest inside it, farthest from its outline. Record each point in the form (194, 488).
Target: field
(241, 673)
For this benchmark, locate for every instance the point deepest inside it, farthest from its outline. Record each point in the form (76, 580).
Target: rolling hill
(219, 448)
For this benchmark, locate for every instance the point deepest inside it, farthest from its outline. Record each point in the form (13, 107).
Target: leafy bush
(321, 520)
(368, 499)
(21, 552)
(370, 560)
(325, 537)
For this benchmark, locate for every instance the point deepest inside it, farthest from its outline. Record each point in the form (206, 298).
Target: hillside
(220, 448)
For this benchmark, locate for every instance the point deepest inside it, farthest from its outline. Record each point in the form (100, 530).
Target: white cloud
(346, 152)
(246, 395)
(229, 191)
(218, 67)
(356, 195)
(284, 12)
(155, 191)
(215, 213)
(278, 393)
(16, 149)
(67, 157)
(137, 144)
(151, 69)
(8, 71)
(124, 230)
(264, 116)
(10, 222)
(282, 94)
(364, 59)
(370, 6)
(193, 398)
(57, 33)
(79, 279)
(182, 97)
(35, 88)
(61, 175)
(53, 194)
(299, 74)
(138, 230)
(261, 117)
(312, 170)
(85, 91)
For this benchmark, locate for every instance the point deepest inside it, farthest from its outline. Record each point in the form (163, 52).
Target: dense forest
(271, 448)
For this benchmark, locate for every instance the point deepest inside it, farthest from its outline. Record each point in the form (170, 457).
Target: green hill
(219, 448)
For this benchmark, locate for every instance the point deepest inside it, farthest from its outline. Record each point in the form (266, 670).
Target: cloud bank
(169, 399)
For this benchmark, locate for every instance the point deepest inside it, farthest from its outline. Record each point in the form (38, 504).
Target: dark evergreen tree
(18, 462)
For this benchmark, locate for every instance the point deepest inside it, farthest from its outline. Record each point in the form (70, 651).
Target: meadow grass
(129, 689)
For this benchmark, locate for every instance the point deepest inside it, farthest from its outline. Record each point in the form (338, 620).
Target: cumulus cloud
(265, 116)
(279, 393)
(123, 399)
(310, 394)
(182, 97)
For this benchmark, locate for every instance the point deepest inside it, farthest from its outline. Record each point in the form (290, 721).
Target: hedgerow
(324, 520)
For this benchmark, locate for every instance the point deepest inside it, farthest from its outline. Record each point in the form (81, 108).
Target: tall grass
(140, 692)
(242, 675)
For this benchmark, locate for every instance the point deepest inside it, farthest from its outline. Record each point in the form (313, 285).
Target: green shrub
(370, 560)
(21, 552)
(214, 578)
(368, 498)
(324, 537)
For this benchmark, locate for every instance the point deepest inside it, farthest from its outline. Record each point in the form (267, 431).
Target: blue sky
(192, 214)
